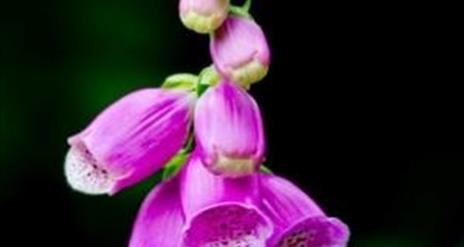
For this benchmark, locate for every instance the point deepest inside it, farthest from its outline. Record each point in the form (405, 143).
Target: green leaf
(188, 147)
(175, 164)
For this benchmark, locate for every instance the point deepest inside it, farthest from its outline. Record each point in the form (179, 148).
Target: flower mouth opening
(315, 232)
(84, 174)
(227, 225)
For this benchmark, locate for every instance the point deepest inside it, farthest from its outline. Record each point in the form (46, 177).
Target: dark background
(362, 108)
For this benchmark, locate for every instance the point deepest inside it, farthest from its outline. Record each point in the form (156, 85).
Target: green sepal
(264, 169)
(242, 11)
(183, 81)
(207, 77)
(247, 5)
(239, 11)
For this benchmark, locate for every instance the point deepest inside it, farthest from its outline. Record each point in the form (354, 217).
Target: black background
(362, 107)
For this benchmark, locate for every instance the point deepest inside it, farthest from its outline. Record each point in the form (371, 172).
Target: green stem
(247, 5)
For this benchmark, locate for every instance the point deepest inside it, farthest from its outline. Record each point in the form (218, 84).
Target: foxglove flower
(203, 16)
(129, 141)
(229, 130)
(221, 211)
(199, 209)
(298, 220)
(240, 51)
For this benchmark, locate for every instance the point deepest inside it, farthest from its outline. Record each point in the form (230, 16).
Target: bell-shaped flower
(203, 16)
(229, 130)
(297, 219)
(240, 51)
(221, 211)
(198, 208)
(129, 141)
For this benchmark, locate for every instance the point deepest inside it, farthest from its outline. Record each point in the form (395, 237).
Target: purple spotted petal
(297, 219)
(240, 51)
(228, 225)
(221, 211)
(129, 141)
(229, 130)
(315, 232)
(160, 219)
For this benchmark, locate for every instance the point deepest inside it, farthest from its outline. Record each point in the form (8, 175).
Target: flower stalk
(204, 132)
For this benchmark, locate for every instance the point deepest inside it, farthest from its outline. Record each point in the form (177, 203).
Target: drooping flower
(198, 208)
(229, 130)
(221, 211)
(240, 51)
(129, 140)
(297, 219)
(203, 16)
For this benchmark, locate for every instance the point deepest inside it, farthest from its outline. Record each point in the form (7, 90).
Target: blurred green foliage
(63, 63)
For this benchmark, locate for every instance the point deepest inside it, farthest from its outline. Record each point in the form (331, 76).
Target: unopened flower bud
(203, 16)
(240, 51)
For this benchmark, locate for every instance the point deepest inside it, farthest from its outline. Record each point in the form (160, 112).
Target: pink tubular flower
(203, 16)
(129, 141)
(240, 51)
(199, 209)
(298, 221)
(221, 211)
(229, 131)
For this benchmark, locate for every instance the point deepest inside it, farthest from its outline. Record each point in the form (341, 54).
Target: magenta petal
(221, 210)
(297, 219)
(229, 130)
(200, 188)
(286, 202)
(160, 219)
(129, 141)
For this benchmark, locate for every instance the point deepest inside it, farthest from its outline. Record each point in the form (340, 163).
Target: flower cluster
(206, 133)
